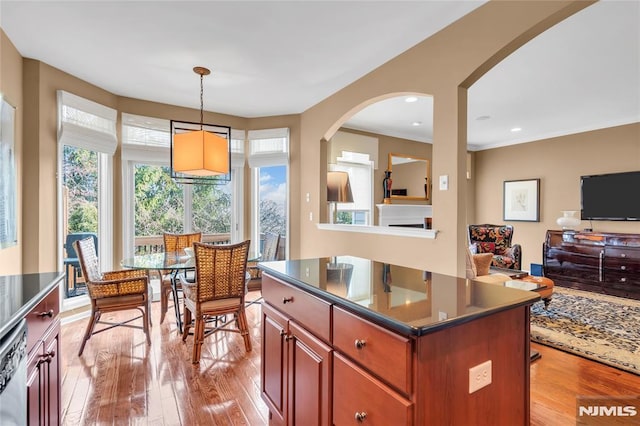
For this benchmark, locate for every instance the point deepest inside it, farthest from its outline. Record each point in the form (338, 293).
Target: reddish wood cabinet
(296, 372)
(43, 364)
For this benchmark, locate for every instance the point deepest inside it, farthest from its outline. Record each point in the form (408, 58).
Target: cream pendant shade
(200, 153)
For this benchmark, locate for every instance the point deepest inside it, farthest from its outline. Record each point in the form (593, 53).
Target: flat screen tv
(613, 196)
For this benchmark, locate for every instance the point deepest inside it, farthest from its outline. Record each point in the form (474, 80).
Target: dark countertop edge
(399, 327)
(24, 310)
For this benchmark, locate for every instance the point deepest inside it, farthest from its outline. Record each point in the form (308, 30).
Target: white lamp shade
(200, 153)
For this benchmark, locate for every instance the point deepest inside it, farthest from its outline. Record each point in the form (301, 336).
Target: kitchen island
(350, 340)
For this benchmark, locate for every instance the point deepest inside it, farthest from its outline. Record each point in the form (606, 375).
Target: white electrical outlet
(479, 376)
(442, 316)
(311, 216)
(444, 182)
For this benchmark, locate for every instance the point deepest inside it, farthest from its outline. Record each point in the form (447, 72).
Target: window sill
(382, 230)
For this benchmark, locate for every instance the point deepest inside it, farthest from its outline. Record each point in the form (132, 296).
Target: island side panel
(443, 361)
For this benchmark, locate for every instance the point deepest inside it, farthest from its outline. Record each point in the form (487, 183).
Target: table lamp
(338, 191)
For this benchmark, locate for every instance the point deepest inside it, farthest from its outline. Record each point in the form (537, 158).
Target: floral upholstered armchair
(496, 239)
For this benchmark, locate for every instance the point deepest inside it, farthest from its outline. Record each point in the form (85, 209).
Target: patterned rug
(599, 327)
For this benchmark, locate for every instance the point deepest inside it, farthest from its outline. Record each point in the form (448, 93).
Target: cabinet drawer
(42, 316)
(313, 313)
(355, 392)
(383, 352)
(623, 253)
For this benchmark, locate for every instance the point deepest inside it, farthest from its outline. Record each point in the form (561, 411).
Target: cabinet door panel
(35, 383)
(274, 327)
(356, 393)
(52, 367)
(309, 379)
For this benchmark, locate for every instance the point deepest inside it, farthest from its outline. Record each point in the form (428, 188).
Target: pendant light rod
(202, 71)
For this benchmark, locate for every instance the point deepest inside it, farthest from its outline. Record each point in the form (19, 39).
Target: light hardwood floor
(119, 380)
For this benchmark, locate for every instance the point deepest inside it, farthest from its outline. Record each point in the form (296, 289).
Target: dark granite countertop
(20, 293)
(409, 301)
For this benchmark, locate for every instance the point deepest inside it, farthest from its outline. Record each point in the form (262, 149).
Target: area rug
(595, 326)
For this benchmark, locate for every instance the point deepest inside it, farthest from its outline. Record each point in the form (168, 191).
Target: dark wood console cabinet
(606, 263)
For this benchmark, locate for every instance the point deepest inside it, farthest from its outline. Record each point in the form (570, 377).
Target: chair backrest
(88, 259)
(220, 270)
(270, 249)
(498, 235)
(71, 238)
(175, 242)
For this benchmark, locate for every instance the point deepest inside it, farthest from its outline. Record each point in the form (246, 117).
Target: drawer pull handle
(49, 314)
(623, 280)
(623, 255)
(360, 344)
(288, 337)
(283, 333)
(286, 300)
(361, 416)
(624, 268)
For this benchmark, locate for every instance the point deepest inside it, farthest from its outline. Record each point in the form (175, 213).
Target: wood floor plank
(121, 380)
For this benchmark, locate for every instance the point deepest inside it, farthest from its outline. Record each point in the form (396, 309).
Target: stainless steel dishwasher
(13, 376)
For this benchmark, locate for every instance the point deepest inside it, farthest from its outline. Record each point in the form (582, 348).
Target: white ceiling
(273, 58)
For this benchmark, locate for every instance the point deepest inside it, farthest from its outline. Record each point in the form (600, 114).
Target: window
(360, 170)
(269, 162)
(86, 141)
(154, 203)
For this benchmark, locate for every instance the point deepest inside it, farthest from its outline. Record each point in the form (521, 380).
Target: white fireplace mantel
(403, 214)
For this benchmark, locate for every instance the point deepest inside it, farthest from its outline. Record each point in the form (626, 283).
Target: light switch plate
(444, 182)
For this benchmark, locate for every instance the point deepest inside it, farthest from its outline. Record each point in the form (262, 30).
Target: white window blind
(237, 148)
(145, 139)
(86, 124)
(268, 147)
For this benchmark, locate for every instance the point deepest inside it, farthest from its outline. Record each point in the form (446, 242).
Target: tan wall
(11, 89)
(558, 163)
(443, 66)
(387, 145)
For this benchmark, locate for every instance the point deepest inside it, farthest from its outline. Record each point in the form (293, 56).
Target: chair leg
(187, 324)
(146, 321)
(244, 329)
(198, 338)
(87, 334)
(546, 302)
(164, 300)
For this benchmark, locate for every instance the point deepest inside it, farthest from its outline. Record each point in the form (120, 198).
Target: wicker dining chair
(112, 291)
(173, 242)
(218, 290)
(268, 253)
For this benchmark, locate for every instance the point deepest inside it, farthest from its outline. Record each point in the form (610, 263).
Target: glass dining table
(175, 262)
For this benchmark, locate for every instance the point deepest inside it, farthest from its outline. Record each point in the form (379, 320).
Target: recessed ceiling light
(411, 99)
(516, 129)
(483, 117)
(417, 123)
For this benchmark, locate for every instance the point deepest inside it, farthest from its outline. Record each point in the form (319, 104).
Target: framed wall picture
(8, 187)
(521, 200)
